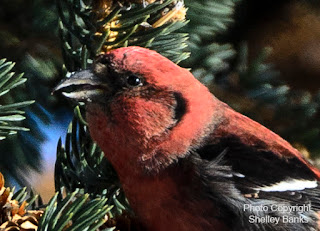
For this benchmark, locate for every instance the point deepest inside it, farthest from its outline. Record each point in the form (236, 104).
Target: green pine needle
(81, 164)
(10, 113)
(74, 212)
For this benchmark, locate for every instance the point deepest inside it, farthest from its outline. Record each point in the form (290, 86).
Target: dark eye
(134, 81)
(104, 60)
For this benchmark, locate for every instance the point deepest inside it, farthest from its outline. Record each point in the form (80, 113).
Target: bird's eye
(104, 60)
(134, 81)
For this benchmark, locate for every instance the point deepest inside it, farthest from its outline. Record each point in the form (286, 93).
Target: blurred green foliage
(28, 31)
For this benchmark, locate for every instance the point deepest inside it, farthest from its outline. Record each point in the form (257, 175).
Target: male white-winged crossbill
(187, 161)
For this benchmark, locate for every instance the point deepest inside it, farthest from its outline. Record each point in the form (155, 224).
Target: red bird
(187, 161)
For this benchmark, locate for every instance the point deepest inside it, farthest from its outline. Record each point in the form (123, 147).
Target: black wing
(245, 179)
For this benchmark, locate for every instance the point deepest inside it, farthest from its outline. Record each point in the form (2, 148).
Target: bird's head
(137, 100)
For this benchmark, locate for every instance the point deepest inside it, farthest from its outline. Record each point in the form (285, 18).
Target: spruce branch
(208, 56)
(84, 29)
(10, 113)
(74, 212)
(216, 17)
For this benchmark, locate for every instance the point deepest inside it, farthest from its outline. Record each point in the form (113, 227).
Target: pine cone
(14, 216)
(175, 11)
(103, 7)
(28, 222)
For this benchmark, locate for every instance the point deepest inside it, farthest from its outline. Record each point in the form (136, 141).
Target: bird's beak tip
(55, 89)
(80, 86)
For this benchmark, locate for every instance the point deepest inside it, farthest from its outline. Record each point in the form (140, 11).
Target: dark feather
(232, 174)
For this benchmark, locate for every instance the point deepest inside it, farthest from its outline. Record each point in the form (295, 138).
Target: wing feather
(237, 174)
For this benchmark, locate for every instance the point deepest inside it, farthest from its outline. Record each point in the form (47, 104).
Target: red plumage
(186, 160)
